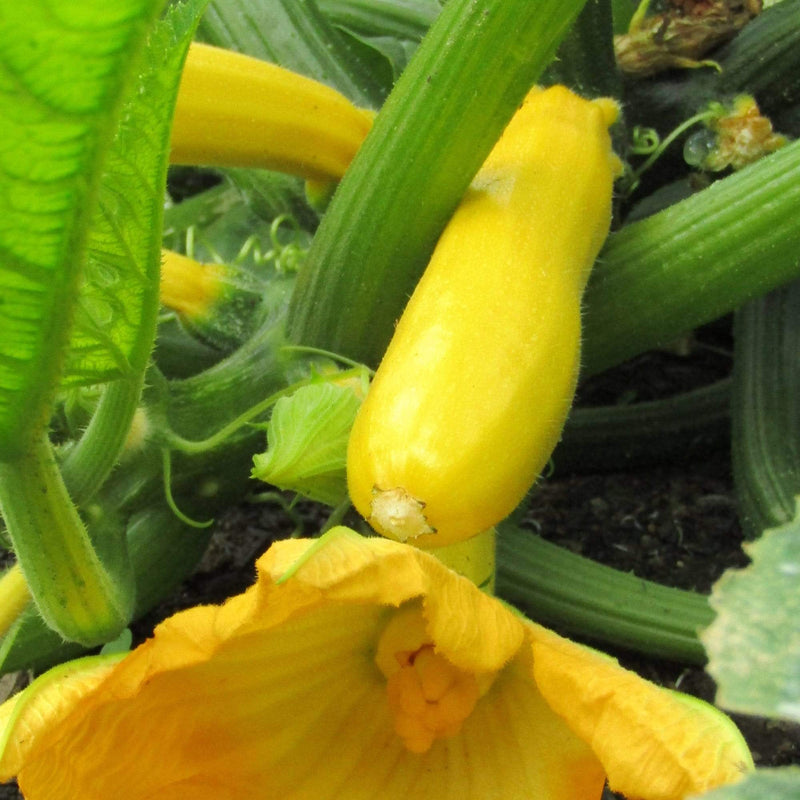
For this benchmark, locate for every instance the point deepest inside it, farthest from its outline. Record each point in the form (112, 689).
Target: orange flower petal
(278, 694)
(27, 715)
(653, 743)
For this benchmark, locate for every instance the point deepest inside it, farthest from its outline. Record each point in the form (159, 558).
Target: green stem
(163, 552)
(766, 423)
(198, 406)
(695, 261)
(73, 590)
(90, 461)
(635, 177)
(681, 427)
(560, 588)
(447, 109)
(219, 437)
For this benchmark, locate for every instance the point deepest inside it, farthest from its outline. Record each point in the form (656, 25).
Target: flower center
(428, 695)
(430, 698)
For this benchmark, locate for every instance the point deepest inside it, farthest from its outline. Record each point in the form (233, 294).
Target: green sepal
(234, 314)
(307, 442)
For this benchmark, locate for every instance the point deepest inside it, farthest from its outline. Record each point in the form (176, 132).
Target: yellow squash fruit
(237, 111)
(473, 391)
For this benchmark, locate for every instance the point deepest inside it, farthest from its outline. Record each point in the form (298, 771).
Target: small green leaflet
(307, 442)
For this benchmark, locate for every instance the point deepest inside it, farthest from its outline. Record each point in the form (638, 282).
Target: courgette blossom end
(397, 515)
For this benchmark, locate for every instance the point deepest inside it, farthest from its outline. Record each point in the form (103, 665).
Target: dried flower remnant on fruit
(680, 36)
(738, 136)
(396, 513)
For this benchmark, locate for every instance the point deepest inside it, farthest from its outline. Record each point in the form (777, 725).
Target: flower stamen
(429, 696)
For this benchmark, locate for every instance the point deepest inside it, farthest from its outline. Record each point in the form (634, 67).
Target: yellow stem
(14, 597)
(237, 111)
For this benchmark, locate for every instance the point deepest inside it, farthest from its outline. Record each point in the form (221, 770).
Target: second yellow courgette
(471, 396)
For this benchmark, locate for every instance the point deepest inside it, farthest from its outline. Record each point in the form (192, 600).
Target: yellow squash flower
(358, 669)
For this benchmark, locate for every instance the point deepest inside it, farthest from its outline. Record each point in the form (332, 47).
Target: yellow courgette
(234, 110)
(473, 391)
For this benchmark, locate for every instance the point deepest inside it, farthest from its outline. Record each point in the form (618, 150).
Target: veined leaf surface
(754, 643)
(64, 68)
(115, 317)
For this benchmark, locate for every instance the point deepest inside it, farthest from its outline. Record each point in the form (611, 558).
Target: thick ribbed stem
(575, 594)
(74, 591)
(695, 261)
(445, 112)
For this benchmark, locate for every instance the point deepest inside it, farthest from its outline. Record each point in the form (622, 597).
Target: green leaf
(77, 568)
(307, 442)
(115, 321)
(118, 303)
(754, 644)
(392, 27)
(296, 35)
(764, 784)
(63, 73)
(585, 60)
(407, 20)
